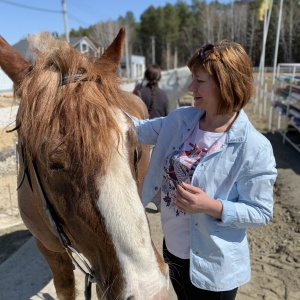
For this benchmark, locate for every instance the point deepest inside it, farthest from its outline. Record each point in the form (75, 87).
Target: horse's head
(73, 128)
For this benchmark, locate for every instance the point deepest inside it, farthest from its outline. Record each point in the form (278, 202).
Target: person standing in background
(154, 97)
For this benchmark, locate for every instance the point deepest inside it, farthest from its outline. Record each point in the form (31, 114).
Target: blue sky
(20, 18)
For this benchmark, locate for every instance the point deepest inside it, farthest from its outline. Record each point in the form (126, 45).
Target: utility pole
(128, 61)
(277, 41)
(64, 11)
(175, 57)
(232, 21)
(168, 56)
(153, 48)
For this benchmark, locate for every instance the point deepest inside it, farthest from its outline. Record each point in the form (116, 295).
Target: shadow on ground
(287, 157)
(11, 242)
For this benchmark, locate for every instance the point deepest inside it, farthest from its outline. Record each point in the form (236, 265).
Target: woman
(154, 97)
(216, 174)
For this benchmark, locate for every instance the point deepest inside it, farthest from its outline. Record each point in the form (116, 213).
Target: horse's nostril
(130, 298)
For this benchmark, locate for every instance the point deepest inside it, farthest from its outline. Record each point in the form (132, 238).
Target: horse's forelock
(41, 42)
(79, 113)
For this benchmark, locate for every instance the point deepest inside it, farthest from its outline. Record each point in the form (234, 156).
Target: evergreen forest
(169, 35)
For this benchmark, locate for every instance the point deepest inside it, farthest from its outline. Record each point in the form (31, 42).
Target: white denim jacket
(241, 174)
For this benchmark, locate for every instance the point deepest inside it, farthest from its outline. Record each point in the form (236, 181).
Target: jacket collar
(236, 133)
(192, 116)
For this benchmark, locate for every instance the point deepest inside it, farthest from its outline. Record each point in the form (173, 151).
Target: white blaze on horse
(81, 168)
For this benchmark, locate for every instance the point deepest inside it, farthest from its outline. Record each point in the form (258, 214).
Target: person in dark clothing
(154, 97)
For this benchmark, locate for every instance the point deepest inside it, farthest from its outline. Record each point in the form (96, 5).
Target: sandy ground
(275, 249)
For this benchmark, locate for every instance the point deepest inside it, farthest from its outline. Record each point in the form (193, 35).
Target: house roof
(74, 41)
(23, 46)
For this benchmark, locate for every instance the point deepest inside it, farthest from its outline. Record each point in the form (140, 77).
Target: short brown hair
(231, 68)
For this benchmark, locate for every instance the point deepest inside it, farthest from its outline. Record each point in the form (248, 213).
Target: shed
(137, 66)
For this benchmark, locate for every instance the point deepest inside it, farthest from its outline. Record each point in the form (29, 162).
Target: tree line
(172, 33)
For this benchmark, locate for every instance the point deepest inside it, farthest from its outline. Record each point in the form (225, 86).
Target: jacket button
(196, 224)
(156, 188)
(173, 148)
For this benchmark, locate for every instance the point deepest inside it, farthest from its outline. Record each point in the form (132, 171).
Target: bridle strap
(48, 208)
(71, 79)
(136, 160)
(25, 169)
(64, 240)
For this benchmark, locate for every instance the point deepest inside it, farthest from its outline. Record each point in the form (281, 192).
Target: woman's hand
(193, 200)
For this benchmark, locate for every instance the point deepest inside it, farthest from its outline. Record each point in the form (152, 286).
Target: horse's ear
(12, 63)
(113, 53)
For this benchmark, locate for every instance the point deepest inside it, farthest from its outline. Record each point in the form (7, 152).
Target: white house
(136, 67)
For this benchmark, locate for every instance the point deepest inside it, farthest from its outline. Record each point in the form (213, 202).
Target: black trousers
(180, 277)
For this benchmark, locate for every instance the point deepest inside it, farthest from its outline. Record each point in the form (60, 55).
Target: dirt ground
(275, 249)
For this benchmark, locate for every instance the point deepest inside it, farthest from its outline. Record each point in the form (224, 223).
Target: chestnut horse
(81, 168)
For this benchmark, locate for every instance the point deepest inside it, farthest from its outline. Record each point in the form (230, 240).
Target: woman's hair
(153, 74)
(229, 65)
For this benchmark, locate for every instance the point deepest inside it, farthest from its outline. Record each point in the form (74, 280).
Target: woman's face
(205, 91)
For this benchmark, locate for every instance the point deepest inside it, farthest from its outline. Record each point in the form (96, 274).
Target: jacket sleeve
(254, 206)
(148, 130)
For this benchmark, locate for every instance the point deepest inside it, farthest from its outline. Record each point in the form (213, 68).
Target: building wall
(136, 66)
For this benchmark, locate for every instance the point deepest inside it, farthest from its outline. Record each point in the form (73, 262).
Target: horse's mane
(74, 117)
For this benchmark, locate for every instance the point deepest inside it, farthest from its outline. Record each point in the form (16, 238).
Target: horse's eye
(57, 166)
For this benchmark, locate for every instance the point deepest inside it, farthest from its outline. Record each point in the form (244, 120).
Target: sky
(19, 18)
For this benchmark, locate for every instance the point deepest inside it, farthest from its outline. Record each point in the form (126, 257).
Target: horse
(81, 170)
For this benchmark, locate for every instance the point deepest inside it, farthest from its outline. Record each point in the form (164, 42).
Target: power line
(31, 7)
(74, 18)
(85, 8)
(44, 10)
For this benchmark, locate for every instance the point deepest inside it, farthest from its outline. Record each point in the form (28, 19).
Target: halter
(71, 79)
